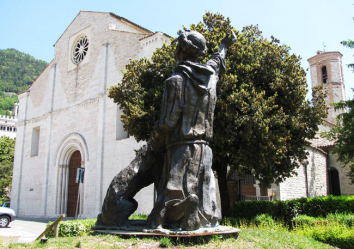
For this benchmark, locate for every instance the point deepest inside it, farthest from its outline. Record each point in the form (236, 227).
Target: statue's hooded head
(191, 46)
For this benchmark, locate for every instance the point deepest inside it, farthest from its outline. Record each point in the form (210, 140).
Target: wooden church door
(73, 188)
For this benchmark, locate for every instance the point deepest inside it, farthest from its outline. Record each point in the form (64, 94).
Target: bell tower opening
(324, 75)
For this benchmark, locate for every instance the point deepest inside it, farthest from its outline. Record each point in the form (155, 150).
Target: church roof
(157, 32)
(126, 21)
(321, 142)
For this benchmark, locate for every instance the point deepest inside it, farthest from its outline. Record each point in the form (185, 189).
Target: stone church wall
(346, 188)
(70, 110)
(295, 187)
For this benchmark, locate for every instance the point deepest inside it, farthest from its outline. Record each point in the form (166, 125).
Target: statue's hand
(228, 40)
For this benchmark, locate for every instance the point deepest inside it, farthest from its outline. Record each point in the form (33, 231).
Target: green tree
(7, 148)
(7, 102)
(262, 120)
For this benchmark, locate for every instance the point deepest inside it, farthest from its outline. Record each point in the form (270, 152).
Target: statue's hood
(199, 74)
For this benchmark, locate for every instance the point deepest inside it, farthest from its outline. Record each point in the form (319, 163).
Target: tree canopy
(7, 149)
(7, 102)
(262, 120)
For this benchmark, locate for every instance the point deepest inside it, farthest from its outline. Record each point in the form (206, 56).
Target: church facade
(66, 120)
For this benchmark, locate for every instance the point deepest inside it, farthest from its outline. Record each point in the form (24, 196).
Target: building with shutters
(66, 120)
(8, 124)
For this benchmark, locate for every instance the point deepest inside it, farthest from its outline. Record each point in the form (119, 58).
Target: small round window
(80, 49)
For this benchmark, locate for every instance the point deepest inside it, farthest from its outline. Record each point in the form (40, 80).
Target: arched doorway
(73, 187)
(71, 154)
(334, 181)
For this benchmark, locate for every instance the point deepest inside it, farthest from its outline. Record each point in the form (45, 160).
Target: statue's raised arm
(226, 42)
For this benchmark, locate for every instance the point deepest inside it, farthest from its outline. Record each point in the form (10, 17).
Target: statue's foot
(191, 219)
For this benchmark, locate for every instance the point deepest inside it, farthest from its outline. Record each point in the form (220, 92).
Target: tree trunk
(221, 169)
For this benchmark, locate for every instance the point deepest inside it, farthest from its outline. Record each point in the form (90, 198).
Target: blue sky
(34, 26)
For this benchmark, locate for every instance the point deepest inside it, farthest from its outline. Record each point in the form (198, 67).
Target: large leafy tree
(7, 148)
(262, 120)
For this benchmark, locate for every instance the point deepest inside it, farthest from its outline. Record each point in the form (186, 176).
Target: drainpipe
(329, 182)
(306, 179)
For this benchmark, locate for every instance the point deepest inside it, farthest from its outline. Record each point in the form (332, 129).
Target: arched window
(324, 75)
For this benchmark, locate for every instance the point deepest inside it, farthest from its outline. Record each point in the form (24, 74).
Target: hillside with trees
(17, 72)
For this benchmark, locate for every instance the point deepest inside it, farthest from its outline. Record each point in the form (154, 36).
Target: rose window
(80, 50)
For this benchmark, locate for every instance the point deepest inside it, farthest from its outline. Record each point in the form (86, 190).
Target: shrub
(70, 228)
(343, 218)
(287, 210)
(333, 233)
(264, 220)
(304, 220)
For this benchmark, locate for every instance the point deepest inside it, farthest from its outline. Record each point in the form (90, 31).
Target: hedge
(287, 210)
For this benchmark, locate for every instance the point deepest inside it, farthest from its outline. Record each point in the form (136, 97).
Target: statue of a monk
(178, 148)
(186, 192)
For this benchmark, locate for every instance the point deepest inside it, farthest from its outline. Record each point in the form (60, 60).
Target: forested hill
(17, 71)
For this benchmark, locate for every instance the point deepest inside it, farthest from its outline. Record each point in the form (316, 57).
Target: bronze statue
(186, 188)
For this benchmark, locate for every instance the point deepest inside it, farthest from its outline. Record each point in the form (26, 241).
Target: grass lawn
(248, 238)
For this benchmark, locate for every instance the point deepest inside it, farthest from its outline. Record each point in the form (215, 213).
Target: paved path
(23, 230)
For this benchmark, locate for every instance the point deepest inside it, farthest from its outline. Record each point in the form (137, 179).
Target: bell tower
(326, 70)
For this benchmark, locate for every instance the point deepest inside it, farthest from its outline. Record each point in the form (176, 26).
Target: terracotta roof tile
(321, 142)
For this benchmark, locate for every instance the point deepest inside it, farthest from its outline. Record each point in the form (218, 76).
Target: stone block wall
(315, 173)
(70, 106)
(346, 188)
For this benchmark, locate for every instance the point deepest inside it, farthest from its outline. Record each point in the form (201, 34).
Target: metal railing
(256, 198)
